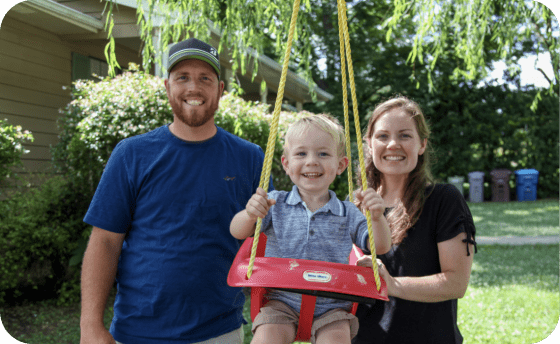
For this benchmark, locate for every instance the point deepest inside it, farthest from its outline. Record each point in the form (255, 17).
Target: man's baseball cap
(193, 48)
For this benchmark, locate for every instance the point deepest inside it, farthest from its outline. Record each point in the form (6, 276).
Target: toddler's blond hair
(324, 122)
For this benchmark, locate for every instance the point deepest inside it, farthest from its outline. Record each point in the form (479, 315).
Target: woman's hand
(383, 273)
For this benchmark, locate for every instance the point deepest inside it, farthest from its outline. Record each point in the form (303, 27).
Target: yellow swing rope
(345, 106)
(343, 26)
(267, 166)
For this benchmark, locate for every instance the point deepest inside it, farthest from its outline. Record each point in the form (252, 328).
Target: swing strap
(306, 317)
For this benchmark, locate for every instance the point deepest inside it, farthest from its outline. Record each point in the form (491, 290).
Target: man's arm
(99, 269)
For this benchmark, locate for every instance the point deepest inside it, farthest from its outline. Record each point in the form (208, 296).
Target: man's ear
(221, 86)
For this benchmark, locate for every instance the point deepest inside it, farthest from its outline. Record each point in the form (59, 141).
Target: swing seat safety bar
(317, 278)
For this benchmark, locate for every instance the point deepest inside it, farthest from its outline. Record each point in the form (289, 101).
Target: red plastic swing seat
(310, 278)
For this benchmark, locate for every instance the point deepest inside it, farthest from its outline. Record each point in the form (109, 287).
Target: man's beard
(191, 117)
(195, 121)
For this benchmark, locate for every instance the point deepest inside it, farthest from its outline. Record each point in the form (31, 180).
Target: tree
(478, 30)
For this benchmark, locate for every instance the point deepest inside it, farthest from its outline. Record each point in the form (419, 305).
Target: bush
(99, 116)
(40, 230)
(12, 139)
(102, 114)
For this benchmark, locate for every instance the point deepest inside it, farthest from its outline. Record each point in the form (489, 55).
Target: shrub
(12, 139)
(102, 114)
(39, 231)
(99, 116)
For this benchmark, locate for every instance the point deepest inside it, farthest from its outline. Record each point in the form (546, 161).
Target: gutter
(66, 14)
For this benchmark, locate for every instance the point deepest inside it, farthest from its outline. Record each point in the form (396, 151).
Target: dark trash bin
(526, 184)
(476, 187)
(500, 185)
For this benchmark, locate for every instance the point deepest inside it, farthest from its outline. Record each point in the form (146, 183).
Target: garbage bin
(527, 184)
(476, 187)
(458, 182)
(500, 185)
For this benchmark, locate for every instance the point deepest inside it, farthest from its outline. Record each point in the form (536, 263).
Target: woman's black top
(445, 215)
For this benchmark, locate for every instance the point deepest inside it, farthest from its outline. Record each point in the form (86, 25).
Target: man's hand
(98, 335)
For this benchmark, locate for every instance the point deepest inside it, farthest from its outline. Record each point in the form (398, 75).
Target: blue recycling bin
(526, 185)
(476, 187)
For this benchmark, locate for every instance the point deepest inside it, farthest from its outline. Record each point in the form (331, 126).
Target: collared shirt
(325, 235)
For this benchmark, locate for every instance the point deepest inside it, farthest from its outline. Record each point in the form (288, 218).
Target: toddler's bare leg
(337, 332)
(276, 334)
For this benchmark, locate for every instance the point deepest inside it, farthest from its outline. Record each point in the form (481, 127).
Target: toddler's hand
(373, 202)
(259, 204)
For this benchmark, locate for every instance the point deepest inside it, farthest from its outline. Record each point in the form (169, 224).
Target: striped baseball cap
(193, 48)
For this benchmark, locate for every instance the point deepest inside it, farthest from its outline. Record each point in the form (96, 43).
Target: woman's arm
(450, 283)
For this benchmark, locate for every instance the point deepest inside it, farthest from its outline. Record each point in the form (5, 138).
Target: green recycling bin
(457, 181)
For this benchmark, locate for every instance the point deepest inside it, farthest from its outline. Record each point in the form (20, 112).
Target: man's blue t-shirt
(175, 201)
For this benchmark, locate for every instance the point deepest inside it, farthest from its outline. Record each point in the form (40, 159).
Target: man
(161, 216)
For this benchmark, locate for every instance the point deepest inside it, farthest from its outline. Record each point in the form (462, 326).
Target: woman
(429, 265)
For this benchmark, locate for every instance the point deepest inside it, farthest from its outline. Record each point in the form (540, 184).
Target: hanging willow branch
(467, 30)
(472, 26)
(242, 26)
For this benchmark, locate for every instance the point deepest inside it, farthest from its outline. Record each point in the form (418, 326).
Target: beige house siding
(35, 81)
(34, 67)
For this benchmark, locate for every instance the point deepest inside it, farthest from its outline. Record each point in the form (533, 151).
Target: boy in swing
(309, 222)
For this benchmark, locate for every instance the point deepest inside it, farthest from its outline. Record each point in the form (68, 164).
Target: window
(83, 67)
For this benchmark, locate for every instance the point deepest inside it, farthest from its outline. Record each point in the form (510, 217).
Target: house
(47, 44)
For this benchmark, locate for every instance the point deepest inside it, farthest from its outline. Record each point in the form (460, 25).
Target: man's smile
(194, 102)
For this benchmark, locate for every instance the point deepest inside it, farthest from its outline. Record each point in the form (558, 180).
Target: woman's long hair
(408, 209)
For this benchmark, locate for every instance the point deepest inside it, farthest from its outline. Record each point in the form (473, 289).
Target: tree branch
(545, 76)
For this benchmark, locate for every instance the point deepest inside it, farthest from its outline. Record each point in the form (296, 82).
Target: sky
(529, 74)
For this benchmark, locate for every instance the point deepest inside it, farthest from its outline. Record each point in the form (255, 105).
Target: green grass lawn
(513, 296)
(516, 218)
